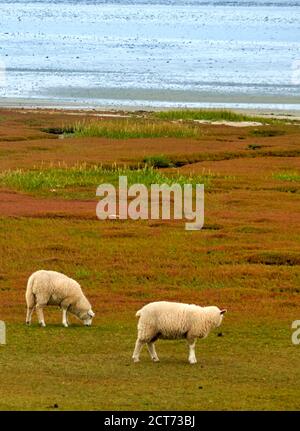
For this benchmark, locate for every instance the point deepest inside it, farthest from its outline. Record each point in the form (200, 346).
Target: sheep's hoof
(28, 323)
(42, 325)
(65, 325)
(155, 359)
(193, 361)
(135, 360)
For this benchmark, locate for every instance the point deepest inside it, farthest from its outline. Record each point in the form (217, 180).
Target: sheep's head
(215, 315)
(87, 317)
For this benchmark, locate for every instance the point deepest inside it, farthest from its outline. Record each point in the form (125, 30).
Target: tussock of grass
(60, 178)
(275, 258)
(254, 147)
(132, 128)
(266, 133)
(212, 226)
(280, 153)
(159, 161)
(188, 159)
(203, 114)
(287, 176)
(58, 130)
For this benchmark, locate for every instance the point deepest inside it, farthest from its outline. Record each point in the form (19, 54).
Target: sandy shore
(151, 99)
(77, 108)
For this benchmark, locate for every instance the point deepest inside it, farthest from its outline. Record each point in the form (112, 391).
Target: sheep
(172, 320)
(53, 288)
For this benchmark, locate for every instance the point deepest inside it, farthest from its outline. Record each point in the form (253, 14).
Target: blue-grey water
(151, 53)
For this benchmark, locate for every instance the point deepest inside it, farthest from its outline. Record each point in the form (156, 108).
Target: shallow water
(152, 53)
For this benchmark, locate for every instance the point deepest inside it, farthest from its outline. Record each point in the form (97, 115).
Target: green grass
(130, 129)
(287, 176)
(82, 273)
(123, 265)
(209, 115)
(57, 180)
(248, 368)
(275, 258)
(159, 161)
(266, 133)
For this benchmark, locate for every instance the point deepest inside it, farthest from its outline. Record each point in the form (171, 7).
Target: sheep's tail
(30, 298)
(138, 313)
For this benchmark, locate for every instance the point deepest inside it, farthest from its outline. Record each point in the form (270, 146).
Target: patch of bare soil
(14, 204)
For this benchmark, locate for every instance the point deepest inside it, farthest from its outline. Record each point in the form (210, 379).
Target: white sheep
(171, 320)
(53, 288)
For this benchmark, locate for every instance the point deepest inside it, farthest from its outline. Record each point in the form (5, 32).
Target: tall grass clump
(74, 178)
(51, 178)
(133, 128)
(206, 114)
(158, 161)
(287, 176)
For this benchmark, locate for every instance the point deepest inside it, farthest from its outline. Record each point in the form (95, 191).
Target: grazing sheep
(53, 288)
(171, 320)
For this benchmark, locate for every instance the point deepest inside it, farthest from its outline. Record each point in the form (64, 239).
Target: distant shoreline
(179, 54)
(276, 109)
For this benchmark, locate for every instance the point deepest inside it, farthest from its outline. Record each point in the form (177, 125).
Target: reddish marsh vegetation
(245, 259)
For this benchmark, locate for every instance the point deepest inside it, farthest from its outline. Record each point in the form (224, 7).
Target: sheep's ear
(91, 313)
(223, 311)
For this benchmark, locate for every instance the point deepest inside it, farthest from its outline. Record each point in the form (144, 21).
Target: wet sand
(283, 111)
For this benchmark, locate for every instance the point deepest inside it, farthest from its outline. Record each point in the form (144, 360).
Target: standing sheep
(53, 288)
(171, 320)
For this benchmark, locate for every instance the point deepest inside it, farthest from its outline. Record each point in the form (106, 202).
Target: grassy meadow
(245, 259)
(208, 115)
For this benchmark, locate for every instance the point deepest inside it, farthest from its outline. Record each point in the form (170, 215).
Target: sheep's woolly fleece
(174, 320)
(54, 288)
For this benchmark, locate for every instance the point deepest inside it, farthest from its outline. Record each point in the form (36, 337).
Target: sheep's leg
(30, 300)
(29, 315)
(40, 314)
(65, 318)
(152, 352)
(138, 347)
(192, 356)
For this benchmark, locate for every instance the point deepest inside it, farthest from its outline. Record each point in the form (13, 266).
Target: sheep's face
(214, 315)
(87, 318)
